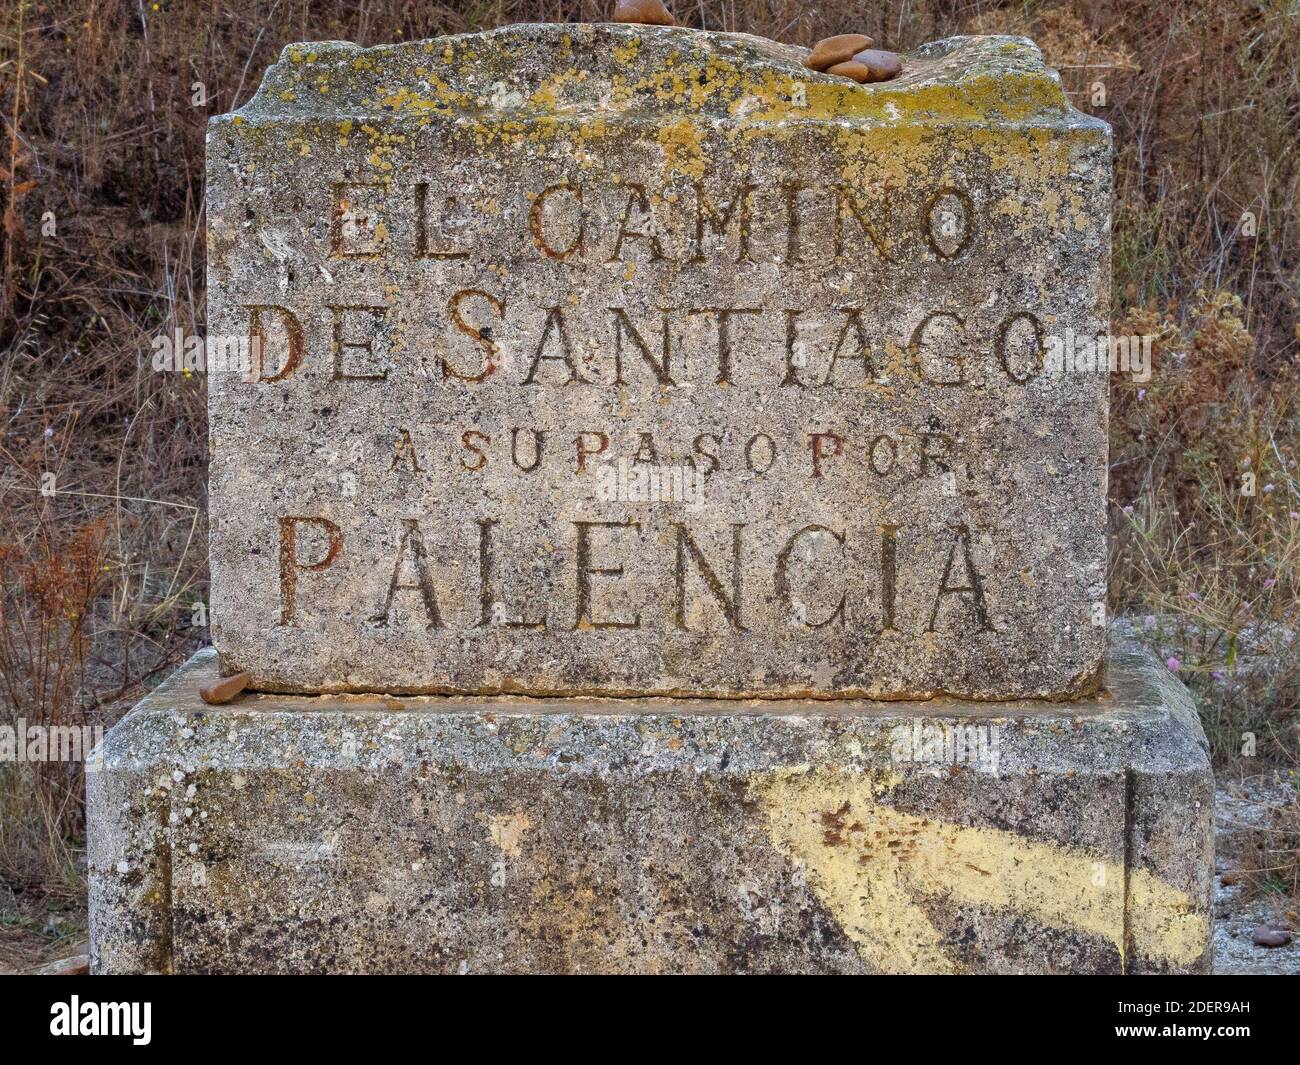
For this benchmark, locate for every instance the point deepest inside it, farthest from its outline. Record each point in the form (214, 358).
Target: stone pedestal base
(369, 834)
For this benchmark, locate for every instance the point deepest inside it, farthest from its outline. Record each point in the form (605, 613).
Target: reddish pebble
(856, 71)
(881, 66)
(225, 689)
(1270, 937)
(839, 49)
(644, 12)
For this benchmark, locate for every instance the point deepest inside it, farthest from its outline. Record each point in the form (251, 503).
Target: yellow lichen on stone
(625, 52)
(550, 94)
(682, 144)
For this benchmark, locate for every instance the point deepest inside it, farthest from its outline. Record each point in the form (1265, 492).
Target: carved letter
(815, 441)
(873, 450)
(404, 446)
(847, 204)
(555, 320)
(722, 316)
(623, 324)
(289, 564)
(470, 446)
(482, 337)
(580, 442)
(586, 570)
(853, 318)
(257, 340)
(422, 249)
(488, 604)
(888, 575)
(957, 360)
(712, 456)
(537, 220)
(377, 316)
(749, 452)
(719, 220)
(794, 356)
(414, 541)
(538, 438)
(1004, 334)
(783, 580)
(355, 232)
(933, 218)
(637, 199)
(792, 243)
(731, 606)
(939, 458)
(972, 585)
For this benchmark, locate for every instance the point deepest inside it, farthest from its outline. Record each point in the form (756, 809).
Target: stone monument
(656, 534)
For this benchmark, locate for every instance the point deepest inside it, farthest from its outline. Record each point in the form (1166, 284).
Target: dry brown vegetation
(1267, 857)
(101, 249)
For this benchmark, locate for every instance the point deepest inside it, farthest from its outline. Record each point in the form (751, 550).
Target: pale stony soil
(1239, 805)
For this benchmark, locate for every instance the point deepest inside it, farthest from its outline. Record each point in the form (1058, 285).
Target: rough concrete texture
(504, 280)
(343, 833)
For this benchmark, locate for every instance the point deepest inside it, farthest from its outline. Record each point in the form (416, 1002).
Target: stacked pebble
(850, 55)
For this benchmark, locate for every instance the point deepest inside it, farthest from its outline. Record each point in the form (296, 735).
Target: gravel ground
(1239, 806)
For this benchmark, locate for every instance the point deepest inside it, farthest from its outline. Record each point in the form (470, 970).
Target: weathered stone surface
(286, 833)
(661, 248)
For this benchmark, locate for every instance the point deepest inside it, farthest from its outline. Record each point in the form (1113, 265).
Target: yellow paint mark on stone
(1161, 928)
(877, 869)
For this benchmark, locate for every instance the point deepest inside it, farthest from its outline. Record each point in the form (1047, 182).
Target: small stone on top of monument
(643, 12)
(852, 70)
(841, 48)
(225, 689)
(876, 66)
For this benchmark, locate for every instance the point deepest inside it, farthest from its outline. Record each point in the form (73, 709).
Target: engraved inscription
(613, 374)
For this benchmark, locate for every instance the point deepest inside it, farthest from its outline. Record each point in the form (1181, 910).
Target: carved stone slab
(636, 360)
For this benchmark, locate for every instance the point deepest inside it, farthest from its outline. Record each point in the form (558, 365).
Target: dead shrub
(48, 587)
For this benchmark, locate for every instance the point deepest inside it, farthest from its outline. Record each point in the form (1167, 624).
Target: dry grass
(1206, 541)
(1269, 855)
(99, 130)
(46, 589)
